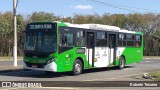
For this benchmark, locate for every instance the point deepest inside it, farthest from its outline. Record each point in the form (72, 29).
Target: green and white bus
(60, 47)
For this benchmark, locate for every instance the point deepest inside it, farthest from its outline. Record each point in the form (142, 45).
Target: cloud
(82, 7)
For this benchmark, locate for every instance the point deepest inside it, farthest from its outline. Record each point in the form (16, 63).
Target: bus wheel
(77, 67)
(121, 63)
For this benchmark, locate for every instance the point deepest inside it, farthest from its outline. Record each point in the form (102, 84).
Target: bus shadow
(42, 74)
(32, 74)
(94, 70)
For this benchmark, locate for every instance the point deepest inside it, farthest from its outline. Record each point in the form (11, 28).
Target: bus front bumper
(48, 67)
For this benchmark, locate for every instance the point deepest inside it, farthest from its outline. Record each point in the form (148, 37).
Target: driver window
(66, 39)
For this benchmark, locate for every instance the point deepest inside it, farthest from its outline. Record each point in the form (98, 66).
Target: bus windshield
(40, 41)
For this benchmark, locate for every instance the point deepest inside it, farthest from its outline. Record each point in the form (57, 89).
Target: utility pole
(15, 32)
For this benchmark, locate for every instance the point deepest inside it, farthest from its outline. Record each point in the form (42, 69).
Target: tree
(41, 16)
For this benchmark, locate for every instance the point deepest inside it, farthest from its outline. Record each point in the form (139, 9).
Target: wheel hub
(77, 67)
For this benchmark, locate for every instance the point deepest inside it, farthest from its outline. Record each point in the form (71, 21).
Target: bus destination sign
(40, 26)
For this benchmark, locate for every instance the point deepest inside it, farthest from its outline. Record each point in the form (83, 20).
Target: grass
(154, 76)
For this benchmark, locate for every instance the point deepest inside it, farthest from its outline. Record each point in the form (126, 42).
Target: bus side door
(112, 48)
(90, 49)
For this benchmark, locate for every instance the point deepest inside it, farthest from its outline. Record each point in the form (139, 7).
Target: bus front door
(112, 48)
(90, 49)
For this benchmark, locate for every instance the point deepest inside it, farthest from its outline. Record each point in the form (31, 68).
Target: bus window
(121, 43)
(138, 38)
(80, 40)
(121, 40)
(138, 41)
(130, 39)
(121, 36)
(101, 35)
(66, 39)
(101, 39)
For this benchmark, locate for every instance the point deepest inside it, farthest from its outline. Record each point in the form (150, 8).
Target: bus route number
(41, 26)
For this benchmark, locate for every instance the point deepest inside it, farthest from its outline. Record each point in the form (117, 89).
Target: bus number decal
(81, 50)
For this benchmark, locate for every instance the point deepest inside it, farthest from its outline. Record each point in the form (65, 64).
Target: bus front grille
(35, 65)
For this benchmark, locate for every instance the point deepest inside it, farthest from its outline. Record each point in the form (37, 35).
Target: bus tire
(121, 63)
(77, 67)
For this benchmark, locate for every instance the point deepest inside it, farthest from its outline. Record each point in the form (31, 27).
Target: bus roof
(93, 27)
(97, 27)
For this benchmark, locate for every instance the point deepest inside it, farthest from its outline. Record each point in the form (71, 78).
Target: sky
(71, 7)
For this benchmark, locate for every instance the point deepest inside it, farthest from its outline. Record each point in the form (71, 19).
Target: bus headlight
(50, 61)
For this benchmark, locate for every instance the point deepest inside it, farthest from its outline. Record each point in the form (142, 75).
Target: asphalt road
(131, 72)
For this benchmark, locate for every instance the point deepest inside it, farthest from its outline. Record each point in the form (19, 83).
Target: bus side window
(138, 40)
(101, 39)
(69, 39)
(60, 39)
(66, 39)
(80, 38)
(121, 40)
(130, 39)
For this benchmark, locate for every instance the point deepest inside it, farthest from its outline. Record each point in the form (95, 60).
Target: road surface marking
(148, 61)
(129, 69)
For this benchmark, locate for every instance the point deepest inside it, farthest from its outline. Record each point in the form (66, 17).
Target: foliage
(154, 76)
(148, 23)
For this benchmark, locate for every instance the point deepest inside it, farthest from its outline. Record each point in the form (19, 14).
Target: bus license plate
(34, 66)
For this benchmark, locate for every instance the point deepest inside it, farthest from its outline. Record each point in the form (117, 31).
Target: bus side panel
(102, 57)
(66, 59)
(133, 54)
